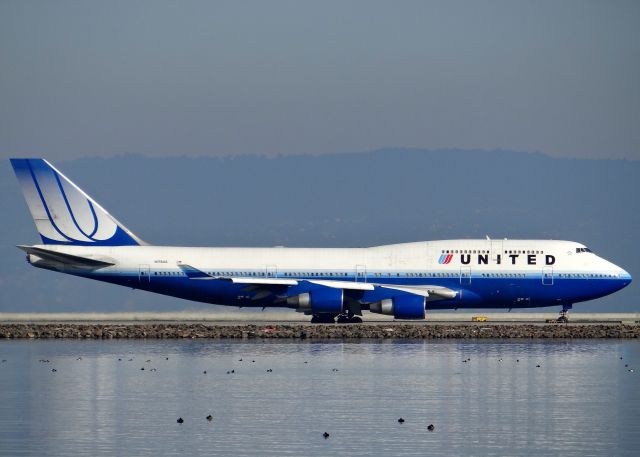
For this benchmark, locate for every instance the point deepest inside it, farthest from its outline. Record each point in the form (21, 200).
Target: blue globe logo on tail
(63, 213)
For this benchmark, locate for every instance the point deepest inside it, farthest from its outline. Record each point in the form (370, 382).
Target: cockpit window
(579, 250)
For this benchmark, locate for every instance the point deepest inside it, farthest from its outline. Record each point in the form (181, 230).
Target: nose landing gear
(564, 318)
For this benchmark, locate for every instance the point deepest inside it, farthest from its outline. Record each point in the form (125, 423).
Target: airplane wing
(66, 259)
(194, 273)
(264, 285)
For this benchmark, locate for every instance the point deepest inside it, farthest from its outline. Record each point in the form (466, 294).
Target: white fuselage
(505, 273)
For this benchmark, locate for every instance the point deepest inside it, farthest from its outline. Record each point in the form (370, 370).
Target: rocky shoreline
(308, 331)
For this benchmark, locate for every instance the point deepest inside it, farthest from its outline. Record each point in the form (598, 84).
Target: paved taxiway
(256, 317)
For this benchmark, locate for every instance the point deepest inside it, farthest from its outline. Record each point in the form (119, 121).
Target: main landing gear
(564, 318)
(349, 318)
(346, 318)
(323, 319)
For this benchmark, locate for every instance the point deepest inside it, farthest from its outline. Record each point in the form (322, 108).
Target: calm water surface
(580, 401)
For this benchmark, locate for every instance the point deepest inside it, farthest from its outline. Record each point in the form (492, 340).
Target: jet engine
(316, 301)
(401, 307)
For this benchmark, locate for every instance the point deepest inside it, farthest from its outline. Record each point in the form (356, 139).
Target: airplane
(79, 237)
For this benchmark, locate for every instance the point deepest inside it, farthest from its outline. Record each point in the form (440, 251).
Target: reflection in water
(484, 397)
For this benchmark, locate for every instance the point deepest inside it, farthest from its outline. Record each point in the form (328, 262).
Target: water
(581, 401)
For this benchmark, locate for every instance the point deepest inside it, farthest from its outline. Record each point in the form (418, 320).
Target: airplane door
(144, 275)
(271, 271)
(361, 273)
(547, 276)
(465, 276)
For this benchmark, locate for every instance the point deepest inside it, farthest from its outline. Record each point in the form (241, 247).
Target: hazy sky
(279, 77)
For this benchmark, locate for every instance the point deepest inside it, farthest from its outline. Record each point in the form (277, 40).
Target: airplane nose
(625, 277)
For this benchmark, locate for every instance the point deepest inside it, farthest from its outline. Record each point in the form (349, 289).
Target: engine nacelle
(401, 307)
(324, 300)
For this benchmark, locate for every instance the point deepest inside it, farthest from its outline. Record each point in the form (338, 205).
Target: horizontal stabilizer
(66, 259)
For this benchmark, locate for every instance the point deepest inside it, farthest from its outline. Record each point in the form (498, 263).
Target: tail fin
(63, 213)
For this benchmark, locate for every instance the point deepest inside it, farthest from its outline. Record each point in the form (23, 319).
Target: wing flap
(343, 284)
(431, 293)
(263, 281)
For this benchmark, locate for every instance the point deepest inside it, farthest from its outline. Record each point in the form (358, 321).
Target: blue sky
(81, 81)
(211, 78)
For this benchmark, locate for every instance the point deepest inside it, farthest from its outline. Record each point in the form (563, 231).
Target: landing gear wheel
(349, 319)
(563, 320)
(323, 319)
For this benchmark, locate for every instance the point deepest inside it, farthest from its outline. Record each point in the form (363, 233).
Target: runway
(257, 317)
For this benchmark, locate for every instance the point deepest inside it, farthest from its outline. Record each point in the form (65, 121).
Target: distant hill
(355, 199)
